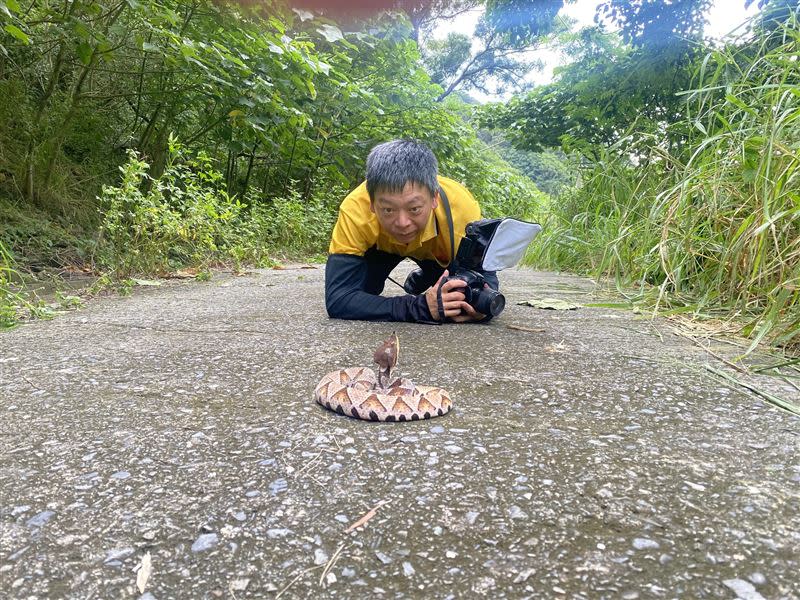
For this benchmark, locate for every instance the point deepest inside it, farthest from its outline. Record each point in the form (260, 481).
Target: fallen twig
(521, 328)
(370, 513)
(292, 582)
(310, 464)
(330, 564)
(30, 383)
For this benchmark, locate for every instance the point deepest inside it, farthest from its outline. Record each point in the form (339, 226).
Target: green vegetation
(140, 138)
(692, 198)
(8, 298)
(144, 137)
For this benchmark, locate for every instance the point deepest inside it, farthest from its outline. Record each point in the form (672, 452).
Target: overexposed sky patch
(723, 17)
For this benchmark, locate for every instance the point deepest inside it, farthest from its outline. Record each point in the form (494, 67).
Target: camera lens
(490, 302)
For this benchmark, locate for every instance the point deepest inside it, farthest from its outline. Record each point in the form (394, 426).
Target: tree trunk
(246, 183)
(287, 179)
(75, 98)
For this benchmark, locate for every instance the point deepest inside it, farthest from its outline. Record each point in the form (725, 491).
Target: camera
(489, 245)
(483, 299)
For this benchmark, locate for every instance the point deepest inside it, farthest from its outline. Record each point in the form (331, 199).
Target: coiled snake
(359, 392)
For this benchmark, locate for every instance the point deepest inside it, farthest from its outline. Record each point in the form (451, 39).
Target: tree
(619, 87)
(423, 14)
(655, 24)
(505, 33)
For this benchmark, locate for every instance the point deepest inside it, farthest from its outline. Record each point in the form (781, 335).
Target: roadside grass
(711, 229)
(16, 300)
(184, 219)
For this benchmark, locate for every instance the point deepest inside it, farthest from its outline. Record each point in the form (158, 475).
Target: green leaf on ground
(550, 304)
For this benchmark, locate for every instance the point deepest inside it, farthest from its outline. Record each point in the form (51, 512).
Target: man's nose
(403, 219)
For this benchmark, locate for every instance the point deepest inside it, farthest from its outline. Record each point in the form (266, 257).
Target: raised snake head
(386, 357)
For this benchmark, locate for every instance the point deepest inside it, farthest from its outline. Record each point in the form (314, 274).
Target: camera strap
(446, 203)
(449, 214)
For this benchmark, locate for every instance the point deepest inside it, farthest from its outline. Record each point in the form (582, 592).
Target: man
(402, 210)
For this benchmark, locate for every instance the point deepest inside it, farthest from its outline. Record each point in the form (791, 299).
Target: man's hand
(455, 307)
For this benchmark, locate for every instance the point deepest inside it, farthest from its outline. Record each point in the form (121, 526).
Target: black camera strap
(446, 203)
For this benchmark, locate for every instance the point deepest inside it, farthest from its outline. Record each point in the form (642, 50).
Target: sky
(723, 17)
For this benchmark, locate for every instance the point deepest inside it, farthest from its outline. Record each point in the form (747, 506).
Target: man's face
(404, 214)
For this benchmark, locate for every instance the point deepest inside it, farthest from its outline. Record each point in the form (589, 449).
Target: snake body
(355, 392)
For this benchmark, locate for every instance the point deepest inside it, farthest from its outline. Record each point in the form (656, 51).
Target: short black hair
(391, 165)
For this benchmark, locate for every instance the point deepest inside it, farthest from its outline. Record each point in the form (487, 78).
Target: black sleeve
(345, 298)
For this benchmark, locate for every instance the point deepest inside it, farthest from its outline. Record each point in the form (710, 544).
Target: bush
(178, 219)
(7, 300)
(186, 218)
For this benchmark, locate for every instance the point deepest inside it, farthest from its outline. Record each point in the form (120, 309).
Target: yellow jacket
(357, 229)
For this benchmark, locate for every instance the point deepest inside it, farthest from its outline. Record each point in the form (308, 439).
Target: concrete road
(166, 445)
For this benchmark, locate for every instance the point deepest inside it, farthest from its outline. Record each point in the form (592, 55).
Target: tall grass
(714, 226)
(7, 304)
(13, 296)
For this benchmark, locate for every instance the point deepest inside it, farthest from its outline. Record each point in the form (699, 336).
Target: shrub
(178, 219)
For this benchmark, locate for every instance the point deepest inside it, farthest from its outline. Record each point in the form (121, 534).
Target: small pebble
(205, 542)
(118, 554)
(278, 486)
(40, 519)
(515, 512)
(744, 590)
(278, 532)
(645, 544)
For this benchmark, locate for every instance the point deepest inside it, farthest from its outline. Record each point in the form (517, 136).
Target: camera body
(469, 260)
(478, 293)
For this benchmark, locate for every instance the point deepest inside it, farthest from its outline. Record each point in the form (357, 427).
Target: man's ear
(372, 206)
(436, 199)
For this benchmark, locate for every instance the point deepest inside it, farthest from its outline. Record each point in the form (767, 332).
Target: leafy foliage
(505, 33)
(521, 21)
(712, 226)
(275, 110)
(609, 93)
(655, 24)
(7, 296)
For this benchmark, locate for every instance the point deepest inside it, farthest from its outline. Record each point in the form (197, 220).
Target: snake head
(386, 357)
